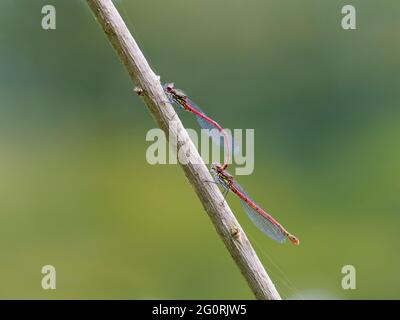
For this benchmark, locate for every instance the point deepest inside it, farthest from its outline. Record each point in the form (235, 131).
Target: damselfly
(219, 136)
(264, 221)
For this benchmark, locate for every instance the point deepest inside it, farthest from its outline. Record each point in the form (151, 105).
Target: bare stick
(150, 90)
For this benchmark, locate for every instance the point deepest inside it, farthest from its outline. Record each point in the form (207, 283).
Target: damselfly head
(176, 93)
(216, 167)
(169, 87)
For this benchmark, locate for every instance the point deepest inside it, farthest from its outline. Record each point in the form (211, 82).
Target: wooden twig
(149, 88)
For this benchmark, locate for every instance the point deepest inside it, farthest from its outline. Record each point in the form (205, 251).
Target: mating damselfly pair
(264, 221)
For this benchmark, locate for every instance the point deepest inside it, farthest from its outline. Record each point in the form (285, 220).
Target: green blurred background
(76, 191)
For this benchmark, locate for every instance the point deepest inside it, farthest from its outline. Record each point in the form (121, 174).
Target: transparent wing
(212, 131)
(172, 100)
(221, 182)
(268, 227)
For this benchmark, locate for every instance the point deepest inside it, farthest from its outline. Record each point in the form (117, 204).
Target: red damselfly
(219, 136)
(264, 221)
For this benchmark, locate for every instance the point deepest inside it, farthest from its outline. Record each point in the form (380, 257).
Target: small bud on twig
(235, 232)
(139, 91)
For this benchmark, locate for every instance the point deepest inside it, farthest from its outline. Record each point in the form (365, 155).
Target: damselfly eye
(169, 86)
